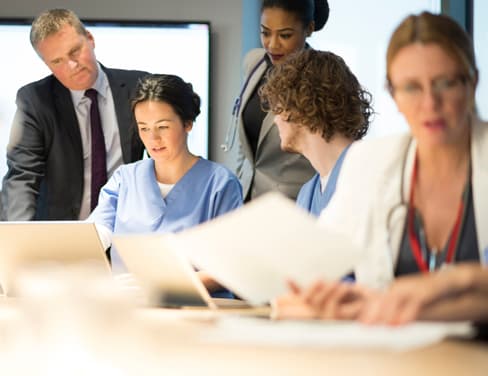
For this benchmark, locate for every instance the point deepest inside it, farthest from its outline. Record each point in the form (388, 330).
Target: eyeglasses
(445, 88)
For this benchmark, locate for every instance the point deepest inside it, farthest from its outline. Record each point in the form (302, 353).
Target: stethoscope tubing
(230, 135)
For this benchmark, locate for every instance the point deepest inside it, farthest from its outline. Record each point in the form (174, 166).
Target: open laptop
(166, 275)
(256, 249)
(27, 244)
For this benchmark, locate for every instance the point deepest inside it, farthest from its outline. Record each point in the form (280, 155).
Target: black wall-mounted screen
(181, 48)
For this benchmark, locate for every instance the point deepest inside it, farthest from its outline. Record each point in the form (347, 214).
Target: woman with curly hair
(320, 109)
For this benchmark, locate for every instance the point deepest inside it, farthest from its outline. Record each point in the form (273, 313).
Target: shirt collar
(100, 85)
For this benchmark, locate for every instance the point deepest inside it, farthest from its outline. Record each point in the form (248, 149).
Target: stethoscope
(402, 208)
(398, 212)
(401, 203)
(230, 135)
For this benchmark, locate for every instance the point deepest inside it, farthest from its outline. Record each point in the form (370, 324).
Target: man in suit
(50, 154)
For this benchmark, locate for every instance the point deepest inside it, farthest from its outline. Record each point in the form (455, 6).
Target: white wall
(481, 47)
(364, 52)
(226, 23)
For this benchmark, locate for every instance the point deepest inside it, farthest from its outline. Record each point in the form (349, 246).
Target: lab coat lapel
(479, 158)
(393, 197)
(268, 123)
(251, 86)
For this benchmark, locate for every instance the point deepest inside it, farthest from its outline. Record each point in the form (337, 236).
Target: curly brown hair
(320, 92)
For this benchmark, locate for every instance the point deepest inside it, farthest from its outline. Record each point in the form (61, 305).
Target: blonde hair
(51, 21)
(436, 29)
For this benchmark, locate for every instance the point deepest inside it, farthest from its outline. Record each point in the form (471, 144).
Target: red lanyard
(412, 236)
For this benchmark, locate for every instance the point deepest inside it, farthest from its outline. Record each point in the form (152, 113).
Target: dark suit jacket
(270, 168)
(44, 156)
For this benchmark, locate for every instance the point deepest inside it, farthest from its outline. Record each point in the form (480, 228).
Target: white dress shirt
(110, 128)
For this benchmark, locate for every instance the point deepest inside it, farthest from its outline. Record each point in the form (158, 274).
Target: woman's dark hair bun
(321, 13)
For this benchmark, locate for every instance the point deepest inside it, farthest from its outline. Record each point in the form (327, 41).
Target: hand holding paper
(254, 250)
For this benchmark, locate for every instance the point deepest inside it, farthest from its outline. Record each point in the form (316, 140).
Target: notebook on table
(24, 245)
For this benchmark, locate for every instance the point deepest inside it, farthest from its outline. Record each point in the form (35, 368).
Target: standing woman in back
(262, 166)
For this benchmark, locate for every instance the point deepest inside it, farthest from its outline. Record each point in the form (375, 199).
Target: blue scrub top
(131, 201)
(310, 196)
(312, 199)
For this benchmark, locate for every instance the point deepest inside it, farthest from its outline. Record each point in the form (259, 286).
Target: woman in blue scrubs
(173, 189)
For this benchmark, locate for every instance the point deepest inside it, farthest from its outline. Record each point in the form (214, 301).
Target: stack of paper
(253, 331)
(254, 250)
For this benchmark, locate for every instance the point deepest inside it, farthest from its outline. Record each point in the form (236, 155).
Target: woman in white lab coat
(418, 201)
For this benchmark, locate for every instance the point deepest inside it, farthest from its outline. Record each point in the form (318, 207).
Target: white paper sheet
(254, 331)
(255, 249)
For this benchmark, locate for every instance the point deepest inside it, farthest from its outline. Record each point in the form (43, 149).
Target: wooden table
(172, 342)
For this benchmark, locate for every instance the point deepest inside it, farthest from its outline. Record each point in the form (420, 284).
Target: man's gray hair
(51, 21)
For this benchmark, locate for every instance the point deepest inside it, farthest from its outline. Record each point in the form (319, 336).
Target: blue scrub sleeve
(106, 210)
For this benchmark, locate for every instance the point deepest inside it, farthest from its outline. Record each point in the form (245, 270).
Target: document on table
(255, 249)
(254, 331)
